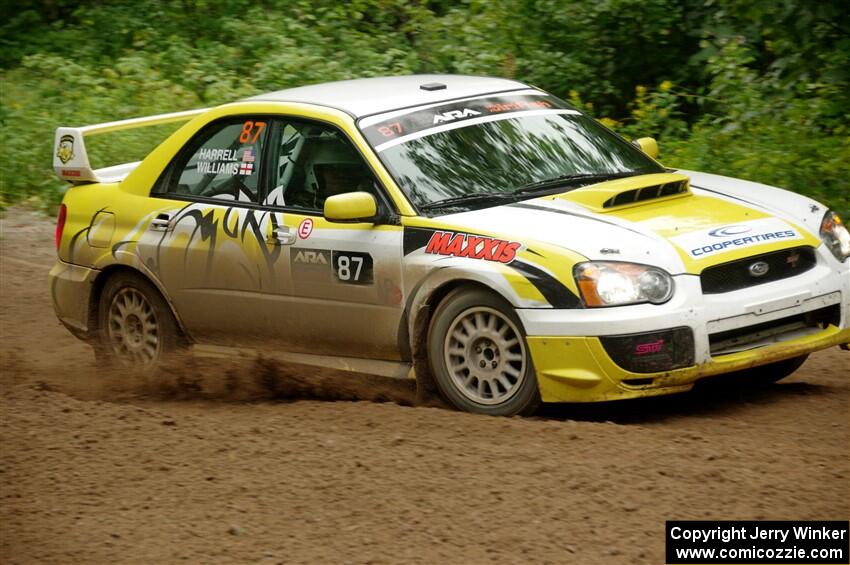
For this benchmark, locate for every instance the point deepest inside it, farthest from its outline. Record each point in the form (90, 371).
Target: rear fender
(133, 265)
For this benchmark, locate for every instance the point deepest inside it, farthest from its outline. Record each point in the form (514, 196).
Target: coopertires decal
(707, 242)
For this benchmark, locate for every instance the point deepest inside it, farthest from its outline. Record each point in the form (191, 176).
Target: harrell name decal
(472, 246)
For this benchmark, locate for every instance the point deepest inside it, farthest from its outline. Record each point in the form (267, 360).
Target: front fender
(440, 277)
(785, 204)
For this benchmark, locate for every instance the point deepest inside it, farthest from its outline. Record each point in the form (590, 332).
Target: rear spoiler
(71, 161)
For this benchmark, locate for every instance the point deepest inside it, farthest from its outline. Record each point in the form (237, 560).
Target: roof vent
(432, 86)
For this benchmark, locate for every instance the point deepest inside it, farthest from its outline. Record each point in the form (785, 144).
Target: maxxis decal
(477, 247)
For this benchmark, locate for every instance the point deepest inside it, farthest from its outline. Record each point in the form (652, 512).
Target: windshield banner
(418, 121)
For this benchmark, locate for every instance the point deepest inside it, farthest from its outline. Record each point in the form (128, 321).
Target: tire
(473, 327)
(136, 328)
(773, 372)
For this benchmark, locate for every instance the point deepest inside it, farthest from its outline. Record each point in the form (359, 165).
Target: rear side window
(221, 162)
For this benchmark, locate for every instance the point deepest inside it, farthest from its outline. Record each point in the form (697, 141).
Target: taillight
(60, 224)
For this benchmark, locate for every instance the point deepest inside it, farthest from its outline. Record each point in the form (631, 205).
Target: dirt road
(215, 465)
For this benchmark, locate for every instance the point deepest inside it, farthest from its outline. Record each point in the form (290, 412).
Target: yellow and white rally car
(477, 234)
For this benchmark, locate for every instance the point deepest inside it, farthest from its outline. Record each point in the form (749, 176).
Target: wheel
(774, 372)
(479, 357)
(136, 326)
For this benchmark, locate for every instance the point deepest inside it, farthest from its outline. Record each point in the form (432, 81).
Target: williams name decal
(472, 246)
(225, 162)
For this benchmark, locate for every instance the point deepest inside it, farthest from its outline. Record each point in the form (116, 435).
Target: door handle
(281, 236)
(162, 223)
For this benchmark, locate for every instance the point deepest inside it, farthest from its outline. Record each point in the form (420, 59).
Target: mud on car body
(477, 234)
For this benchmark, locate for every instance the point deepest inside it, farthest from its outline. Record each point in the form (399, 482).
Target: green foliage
(758, 89)
(753, 128)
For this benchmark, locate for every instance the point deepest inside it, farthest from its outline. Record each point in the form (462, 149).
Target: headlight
(835, 235)
(608, 283)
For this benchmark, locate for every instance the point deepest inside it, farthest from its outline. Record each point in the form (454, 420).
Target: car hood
(656, 219)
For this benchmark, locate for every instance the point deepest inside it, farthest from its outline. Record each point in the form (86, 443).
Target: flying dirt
(245, 460)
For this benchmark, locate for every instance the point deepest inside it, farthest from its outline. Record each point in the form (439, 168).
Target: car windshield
(482, 152)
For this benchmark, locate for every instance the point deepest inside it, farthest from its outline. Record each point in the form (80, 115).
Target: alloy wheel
(132, 328)
(485, 355)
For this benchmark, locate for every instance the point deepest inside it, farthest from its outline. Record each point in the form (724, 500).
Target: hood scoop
(647, 193)
(631, 191)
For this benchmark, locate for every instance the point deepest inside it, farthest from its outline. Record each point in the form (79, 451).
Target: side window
(315, 161)
(222, 161)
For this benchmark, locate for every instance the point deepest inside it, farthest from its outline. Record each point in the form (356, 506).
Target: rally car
(477, 234)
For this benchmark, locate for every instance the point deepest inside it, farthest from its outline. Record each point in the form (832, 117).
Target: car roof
(367, 96)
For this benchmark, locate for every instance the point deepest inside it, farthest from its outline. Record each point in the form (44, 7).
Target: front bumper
(577, 369)
(572, 363)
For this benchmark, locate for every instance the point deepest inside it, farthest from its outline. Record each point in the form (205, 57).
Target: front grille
(735, 275)
(651, 352)
(773, 331)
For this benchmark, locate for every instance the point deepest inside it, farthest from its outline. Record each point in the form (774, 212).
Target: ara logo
(474, 247)
(453, 115)
(311, 257)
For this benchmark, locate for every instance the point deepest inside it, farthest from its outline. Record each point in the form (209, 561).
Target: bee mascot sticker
(66, 149)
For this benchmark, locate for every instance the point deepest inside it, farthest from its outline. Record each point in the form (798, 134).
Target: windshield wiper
(560, 182)
(565, 181)
(474, 198)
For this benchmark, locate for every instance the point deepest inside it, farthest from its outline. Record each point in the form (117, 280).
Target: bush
(750, 128)
(750, 88)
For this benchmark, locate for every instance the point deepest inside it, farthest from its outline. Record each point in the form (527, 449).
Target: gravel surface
(247, 461)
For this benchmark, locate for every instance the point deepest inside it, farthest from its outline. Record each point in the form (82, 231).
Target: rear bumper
(70, 291)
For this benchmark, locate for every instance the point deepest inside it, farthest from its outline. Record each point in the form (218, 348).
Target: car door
(345, 280)
(209, 242)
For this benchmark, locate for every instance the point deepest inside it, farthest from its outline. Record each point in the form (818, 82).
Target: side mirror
(351, 207)
(648, 145)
